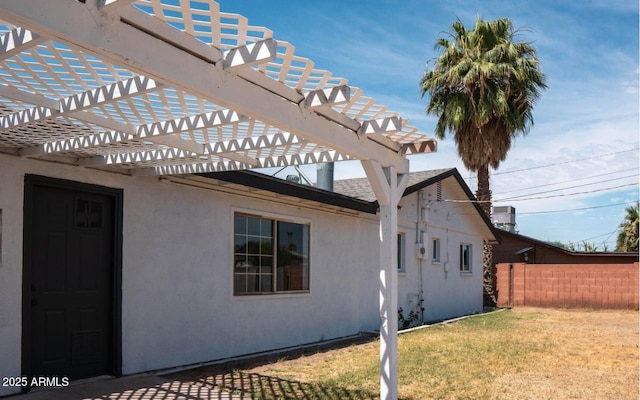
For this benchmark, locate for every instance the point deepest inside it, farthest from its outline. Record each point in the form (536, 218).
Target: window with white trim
(435, 250)
(465, 257)
(401, 251)
(270, 256)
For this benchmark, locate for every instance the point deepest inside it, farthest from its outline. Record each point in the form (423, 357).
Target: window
(465, 257)
(435, 250)
(270, 256)
(401, 251)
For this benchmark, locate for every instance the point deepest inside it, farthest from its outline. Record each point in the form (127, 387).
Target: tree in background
(482, 88)
(628, 234)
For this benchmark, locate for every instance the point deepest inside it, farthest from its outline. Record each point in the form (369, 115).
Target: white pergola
(177, 87)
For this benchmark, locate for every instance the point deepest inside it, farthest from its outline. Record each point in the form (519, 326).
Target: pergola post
(388, 184)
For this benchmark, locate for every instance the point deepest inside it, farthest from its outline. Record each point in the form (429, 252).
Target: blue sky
(582, 153)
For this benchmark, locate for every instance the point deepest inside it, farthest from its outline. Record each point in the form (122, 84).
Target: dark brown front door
(71, 273)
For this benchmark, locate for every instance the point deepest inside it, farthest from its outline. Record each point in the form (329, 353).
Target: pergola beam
(16, 41)
(123, 44)
(137, 157)
(111, 5)
(250, 54)
(252, 143)
(77, 143)
(330, 96)
(160, 29)
(81, 101)
(226, 149)
(177, 142)
(381, 125)
(427, 146)
(189, 169)
(27, 97)
(190, 123)
(264, 162)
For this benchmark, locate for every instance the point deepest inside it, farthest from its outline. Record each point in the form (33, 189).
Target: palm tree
(628, 235)
(482, 88)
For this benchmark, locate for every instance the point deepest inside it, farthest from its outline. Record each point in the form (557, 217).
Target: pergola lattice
(173, 87)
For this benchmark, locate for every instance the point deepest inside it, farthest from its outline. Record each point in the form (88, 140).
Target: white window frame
(276, 218)
(435, 250)
(468, 249)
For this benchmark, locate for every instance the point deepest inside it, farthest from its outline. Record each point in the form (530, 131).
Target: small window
(401, 252)
(465, 258)
(435, 250)
(270, 256)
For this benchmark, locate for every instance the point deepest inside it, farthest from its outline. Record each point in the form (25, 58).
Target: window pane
(266, 227)
(253, 283)
(465, 257)
(400, 251)
(253, 226)
(266, 247)
(435, 252)
(266, 283)
(253, 258)
(240, 224)
(240, 263)
(266, 265)
(253, 245)
(293, 257)
(253, 262)
(240, 244)
(239, 283)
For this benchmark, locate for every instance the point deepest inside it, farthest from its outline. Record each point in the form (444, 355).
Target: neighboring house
(516, 248)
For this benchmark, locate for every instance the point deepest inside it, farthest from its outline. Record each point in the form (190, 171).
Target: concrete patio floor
(137, 387)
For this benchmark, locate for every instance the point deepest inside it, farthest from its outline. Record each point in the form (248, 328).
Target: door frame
(30, 183)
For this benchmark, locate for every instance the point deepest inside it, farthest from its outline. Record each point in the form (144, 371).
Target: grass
(516, 354)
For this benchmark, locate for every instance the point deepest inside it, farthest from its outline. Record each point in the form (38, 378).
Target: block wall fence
(605, 286)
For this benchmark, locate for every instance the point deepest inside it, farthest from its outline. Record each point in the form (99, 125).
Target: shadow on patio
(256, 386)
(237, 377)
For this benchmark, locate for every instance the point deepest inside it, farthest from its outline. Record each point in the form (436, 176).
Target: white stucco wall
(446, 291)
(177, 302)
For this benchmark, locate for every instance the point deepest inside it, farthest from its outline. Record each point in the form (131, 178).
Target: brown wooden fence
(568, 285)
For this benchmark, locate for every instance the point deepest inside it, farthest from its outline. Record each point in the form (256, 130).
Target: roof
(355, 194)
(562, 249)
(361, 188)
(95, 83)
(298, 190)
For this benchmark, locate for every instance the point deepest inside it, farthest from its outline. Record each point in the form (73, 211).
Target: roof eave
(276, 185)
(453, 172)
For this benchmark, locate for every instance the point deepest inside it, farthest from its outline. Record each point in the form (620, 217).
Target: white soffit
(157, 87)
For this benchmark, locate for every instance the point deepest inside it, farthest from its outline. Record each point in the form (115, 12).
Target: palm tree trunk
(484, 193)
(488, 269)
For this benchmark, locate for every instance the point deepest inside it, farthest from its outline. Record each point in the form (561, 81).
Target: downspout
(421, 251)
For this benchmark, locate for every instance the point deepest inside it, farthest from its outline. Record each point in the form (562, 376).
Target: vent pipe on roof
(324, 177)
